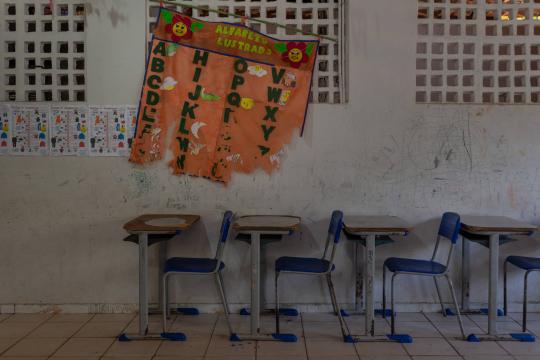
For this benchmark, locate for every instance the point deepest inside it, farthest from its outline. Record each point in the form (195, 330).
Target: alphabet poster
(66, 130)
(5, 129)
(69, 130)
(131, 114)
(109, 131)
(30, 133)
(233, 97)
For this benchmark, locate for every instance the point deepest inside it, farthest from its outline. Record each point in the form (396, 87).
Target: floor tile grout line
(9, 315)
(162, 341)
(445, 337)
(353, 344)
(212, 335)
(115, 339)
(23, 336)
(497, 342)
(70, 337)
(211, 329)
(303, 334)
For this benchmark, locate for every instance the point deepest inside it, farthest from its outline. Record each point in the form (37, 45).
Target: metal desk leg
(465, 274)
(162, 260)
(143, 300)
(357, 280)
(493, 283)
(368, 281)
(143, 284)
(255, 282)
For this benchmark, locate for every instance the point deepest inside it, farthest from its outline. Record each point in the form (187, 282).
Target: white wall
(61, 233)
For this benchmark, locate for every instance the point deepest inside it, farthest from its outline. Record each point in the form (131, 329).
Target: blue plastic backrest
(225, 225)
(336, 223)
(450, 225)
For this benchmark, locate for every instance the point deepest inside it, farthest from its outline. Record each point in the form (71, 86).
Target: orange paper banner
(233, 97)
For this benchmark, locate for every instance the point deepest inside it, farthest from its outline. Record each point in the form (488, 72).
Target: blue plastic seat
(198, 266)
(524, 262)
(448, 230)
(300, 264)
(529, 264)
(322, 266)
(192, 265)
(395, 264)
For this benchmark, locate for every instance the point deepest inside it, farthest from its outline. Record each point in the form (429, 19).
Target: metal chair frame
(444, 274)
(224, 234)
(525, 278)
(332, 239)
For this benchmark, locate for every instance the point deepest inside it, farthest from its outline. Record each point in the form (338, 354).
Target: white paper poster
(108, 135)
(5, 129)
(30, 130)
(63, 130)
(131, 114)
(69, 130)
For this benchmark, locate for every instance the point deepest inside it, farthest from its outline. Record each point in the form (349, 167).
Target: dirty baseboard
(217, 307)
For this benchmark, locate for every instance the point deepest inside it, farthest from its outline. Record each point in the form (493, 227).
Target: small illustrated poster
(108, 131)
(5, 129)
(131, 114)
(30, 129)
(69, 130)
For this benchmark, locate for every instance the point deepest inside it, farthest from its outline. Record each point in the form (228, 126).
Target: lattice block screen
(324, 17)
(478, 51)
(43, 50)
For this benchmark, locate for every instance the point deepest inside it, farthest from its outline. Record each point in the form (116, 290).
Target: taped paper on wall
(69, 130)
(5, 129)
(108, 127)
(30, 130)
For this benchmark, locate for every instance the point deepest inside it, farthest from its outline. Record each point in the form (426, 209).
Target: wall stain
(143, 182)
(511, 196)
(436, 162)
(449, 154)
(90, 10)
(116, 17)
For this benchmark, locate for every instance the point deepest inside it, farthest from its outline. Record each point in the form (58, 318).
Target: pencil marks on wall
(449, 158)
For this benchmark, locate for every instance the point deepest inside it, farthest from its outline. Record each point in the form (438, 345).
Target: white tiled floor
(93, 337)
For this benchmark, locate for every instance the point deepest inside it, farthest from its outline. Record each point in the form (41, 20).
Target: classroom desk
(371, 231)
(143, 227)
(256, 226)
(490, 231)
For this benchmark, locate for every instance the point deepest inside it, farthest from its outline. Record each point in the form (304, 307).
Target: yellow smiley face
(247, 103)
(180, 29)
(295, 55)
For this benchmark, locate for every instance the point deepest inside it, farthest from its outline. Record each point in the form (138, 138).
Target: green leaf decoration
(280, 47)
(210, 97)
(309, 48)
(167, 16)
(171, 49)
(196, 26)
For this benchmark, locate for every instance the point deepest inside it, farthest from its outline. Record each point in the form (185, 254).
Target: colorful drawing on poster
(69, 130)
(108, 131)
(131, 116)
(233, 96)
(30, 130)
(119, 134)
(5, 129)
